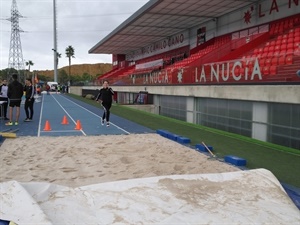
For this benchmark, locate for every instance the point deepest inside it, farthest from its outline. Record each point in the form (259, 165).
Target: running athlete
(105, 97)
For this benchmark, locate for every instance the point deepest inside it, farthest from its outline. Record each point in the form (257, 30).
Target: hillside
(92, 69)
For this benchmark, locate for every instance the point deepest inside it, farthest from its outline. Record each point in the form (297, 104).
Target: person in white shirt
(4, 98)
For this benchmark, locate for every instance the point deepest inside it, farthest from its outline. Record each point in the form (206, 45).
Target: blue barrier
(183, 140)
(202, 148)
(235, 160)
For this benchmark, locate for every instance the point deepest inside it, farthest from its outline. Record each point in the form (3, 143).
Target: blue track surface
(54, 107)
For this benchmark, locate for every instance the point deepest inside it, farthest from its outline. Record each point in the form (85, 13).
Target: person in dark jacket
(105, 96)
(14, 94)
(29, 100)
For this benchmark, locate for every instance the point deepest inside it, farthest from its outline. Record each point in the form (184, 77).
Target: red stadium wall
(271, 57)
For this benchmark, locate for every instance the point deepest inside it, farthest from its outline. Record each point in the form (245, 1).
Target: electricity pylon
(15, 60)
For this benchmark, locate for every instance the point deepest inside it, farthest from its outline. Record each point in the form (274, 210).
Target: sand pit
(78, 161)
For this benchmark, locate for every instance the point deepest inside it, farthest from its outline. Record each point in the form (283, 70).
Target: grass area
(282, 161)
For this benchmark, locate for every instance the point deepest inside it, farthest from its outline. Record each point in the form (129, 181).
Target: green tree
(63, 76)
(70, 52)
(86, 77)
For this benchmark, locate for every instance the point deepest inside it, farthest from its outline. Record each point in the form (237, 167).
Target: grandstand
(229, 65)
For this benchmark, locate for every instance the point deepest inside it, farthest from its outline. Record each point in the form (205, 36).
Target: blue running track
(54, 107)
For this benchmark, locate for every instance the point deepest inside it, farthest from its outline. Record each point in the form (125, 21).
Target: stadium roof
(158, 19)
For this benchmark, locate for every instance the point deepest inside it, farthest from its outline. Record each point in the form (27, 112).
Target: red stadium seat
(277, 47)
(274, 61)
(264, 55)
(290, 37)
(255, 51)
(276, 53)
(270, 54)
(271, 48)
(266, 70)
(272, 43)
(273, 70)
(289, 51)
(283, 46)
(284, 41)
(268, 61)
(257, 56)
(289, 60)
(281, 60)
(290, 40)
(282, 52)
(261, 62)
(278, 42)
(284, 36)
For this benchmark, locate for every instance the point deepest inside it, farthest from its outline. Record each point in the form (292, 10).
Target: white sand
(78, 161)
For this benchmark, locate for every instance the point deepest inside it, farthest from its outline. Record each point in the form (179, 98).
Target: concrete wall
(77, 90)
(259, 93)
(147, 108)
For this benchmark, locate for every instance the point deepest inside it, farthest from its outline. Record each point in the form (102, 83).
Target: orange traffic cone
(78, 125)
(65, 121)
(47, 126)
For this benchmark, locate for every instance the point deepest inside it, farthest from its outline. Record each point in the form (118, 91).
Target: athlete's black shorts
(14, 103)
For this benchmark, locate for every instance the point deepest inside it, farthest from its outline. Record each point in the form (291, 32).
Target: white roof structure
(158, 19)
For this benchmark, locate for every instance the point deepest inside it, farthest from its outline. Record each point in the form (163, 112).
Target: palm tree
(58, 55)
(29, 63)
(70, 51)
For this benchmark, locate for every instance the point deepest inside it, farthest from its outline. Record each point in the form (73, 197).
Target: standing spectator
(105, 96)
(14, 94)
(63, 88)
(29, 100)
(4, 98)
(47, 89)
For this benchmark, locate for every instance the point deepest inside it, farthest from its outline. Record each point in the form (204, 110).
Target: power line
(69, 17)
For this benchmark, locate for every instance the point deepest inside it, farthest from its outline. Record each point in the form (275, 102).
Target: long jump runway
(54, 107)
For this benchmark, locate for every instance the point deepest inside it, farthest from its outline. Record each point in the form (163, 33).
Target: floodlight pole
(55, 41)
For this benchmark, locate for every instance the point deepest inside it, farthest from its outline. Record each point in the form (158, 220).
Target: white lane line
(125, 131)
(67, 114)
(41, 115)
(59, 131)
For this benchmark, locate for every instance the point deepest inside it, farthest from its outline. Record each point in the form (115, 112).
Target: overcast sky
(81, 23)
